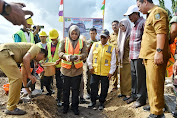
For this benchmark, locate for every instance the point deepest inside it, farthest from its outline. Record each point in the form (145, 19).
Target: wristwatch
(6, 10)
(159, 50)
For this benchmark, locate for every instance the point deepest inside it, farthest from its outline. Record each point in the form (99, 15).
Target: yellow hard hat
(29, 21)
(53, 34)
(42, 33)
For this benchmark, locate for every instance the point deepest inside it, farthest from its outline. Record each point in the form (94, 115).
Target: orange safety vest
(69, 50)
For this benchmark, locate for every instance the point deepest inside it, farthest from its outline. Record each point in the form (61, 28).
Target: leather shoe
(92, 106)
(16, 111)
(120, 95)
(137, 104)
(130, 100)
(156, 116)
(65, 110)
(125, 98)
(146, 108)
(76, 111)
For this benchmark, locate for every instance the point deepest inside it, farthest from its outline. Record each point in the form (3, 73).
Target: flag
(103, 7)
(61, 11)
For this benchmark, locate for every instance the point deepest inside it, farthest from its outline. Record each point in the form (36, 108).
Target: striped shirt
(136, 38)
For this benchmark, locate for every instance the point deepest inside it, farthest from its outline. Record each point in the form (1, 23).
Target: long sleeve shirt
(113, 59)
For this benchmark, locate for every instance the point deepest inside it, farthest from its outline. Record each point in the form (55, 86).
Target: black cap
(105, 33)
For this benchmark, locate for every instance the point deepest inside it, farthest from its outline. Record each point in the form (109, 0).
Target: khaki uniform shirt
(113, 39)
(18, 50)
(126, 51)
(156, 23)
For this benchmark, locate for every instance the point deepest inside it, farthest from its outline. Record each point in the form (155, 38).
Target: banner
(84, 25)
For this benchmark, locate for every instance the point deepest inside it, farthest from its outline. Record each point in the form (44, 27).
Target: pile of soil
(45, 107)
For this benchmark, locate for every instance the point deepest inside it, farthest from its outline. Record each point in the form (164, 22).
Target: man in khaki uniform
(113, 41)
(11, 54)
(155, 52)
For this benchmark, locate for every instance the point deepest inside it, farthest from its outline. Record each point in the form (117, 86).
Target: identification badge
(157, 16)
(106, 61)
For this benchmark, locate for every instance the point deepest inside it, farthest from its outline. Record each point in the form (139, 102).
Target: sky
(46, 13)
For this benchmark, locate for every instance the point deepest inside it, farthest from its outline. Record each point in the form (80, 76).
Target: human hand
(27, 89)
(67, 57)
(78, 58)
(109, 76)
(91, 71)
(58, 61)
(32, 78)
(175, 68)
(158, 58)
(117, 50)
(17, 15)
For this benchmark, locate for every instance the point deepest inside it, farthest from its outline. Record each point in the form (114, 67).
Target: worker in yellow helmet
(43, 36)
(53, 56)
(24, 34)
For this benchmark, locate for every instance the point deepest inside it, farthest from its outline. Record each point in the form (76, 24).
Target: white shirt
(28, 37)
(113, 59)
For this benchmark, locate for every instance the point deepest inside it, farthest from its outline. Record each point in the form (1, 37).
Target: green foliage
(162, 4)
(174, 5)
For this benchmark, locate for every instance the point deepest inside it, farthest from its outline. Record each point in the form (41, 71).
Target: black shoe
(42, 90)
(101, 107)
(97, 97)
(156, 116)
(16, 111)
(76, 111)
(88, 96)
(146, 108)
(59, 104)
(131, 100)
(125, 98)
(92, 105)
(82, 100)
(65, 110)
(120, 95)
(53, 92)
(49, 94)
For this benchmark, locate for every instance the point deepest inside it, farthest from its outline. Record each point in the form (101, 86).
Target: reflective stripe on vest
(69, 50)
(56, 56)
(39, 44)
(23, 37)
(102, 58)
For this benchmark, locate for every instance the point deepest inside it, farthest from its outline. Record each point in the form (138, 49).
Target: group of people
(138, 53)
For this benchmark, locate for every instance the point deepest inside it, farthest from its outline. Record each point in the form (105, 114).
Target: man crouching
(11, 54)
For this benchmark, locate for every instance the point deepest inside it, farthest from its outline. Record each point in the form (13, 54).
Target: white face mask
(54, 42)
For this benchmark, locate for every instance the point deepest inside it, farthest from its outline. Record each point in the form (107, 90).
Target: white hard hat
(131, 10)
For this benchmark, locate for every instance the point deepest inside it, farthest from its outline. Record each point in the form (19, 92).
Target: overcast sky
(46, 13)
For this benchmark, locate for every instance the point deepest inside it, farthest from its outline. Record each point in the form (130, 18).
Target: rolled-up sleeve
(61, 50)
(90, 58)
(160, 22)
(113, 62)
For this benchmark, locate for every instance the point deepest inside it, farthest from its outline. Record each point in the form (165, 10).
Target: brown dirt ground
(45, 107)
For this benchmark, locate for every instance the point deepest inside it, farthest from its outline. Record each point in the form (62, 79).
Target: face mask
(54, 42)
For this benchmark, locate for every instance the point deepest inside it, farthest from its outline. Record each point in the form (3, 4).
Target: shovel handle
(28, 84)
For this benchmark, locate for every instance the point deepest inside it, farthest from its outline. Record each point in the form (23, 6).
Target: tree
(174, 5)
(162, 4)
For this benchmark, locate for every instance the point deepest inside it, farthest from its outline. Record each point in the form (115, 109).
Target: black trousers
(138, 74)
(47, 81)
(59, 84)
(74, 83)
(94, 82)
